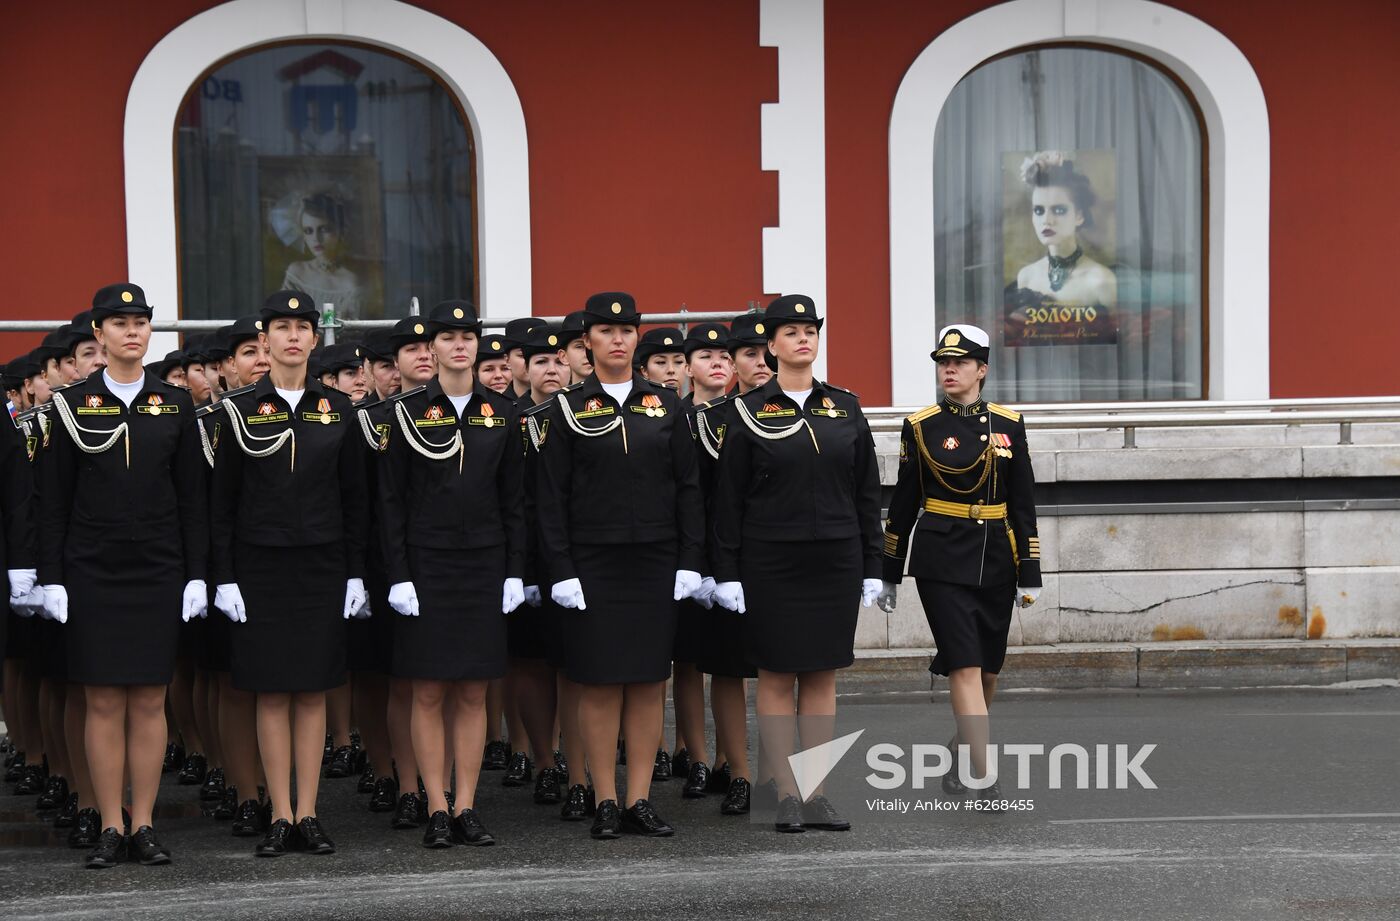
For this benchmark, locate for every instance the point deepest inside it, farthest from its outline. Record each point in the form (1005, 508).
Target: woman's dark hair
(326, 208)
(1063, 175)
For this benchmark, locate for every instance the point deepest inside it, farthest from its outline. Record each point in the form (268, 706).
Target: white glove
(1027, 595)
(196, 600)
(532, 596)
(229, 599)
(730, 596)
(31, 603)
(21, 581)
(889, 593)
(403, 597)
(568, 594)
(705, 594)
(687, 583)
(355, 597)
(869, 591)
(512, 595)
(55, 603)
(364, 613)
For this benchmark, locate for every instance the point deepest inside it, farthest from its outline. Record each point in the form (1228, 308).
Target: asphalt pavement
(1268, 803)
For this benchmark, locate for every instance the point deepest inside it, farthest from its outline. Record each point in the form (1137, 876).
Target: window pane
(1068, 219)
(342, 171)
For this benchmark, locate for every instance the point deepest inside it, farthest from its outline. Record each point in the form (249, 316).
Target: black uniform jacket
(465, 498)
(372, 418)
(987, 443)
(819, 481)
(147, 486)
(611, 474)
(18, 507)
(534, 572)
(310, 491)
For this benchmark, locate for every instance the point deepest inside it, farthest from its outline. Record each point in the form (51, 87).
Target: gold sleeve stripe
(1004, 412)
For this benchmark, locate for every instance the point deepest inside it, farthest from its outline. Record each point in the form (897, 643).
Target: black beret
(408, 331)
(747, 329)
(543, 340)
(660, 341)
(611, 307)
(706, 336)
(517, 331)
(377, 346)
(341, 357)
(790, 308)
(493, 346)
(454, 314)
(572, 327)
(289, 303)
(122, 297)
(243, 329)
(172, 360)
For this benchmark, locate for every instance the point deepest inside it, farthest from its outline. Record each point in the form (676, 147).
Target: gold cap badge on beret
(616, 307)
(418, 328)
(667, 341)
(257, 324)
(801, 308)
(127, 297)
(293, 303)
(495, 345)
(758, 328)
(713, 335)
(458, 313)
(553, 340)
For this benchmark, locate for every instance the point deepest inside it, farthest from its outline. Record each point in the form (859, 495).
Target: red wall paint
(1335, 151)
(644, 159)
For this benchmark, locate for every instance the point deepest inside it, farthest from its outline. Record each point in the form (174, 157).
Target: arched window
(341, 170)
(1069, 215)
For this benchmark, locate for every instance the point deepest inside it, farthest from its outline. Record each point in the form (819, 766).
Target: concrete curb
(1228, 664)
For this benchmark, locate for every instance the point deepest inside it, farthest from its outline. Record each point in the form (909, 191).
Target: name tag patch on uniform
(488, 421)
(155, 405)
(323, 418)
(98, 410)
(434, 415)
(831, 412)
(594, 407)
(950, 443)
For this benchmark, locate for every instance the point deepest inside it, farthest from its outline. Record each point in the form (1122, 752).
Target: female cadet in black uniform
(621, 524)
(123, 472)
(964, 463)
(449, 498)
(797, 538)
(291, 481)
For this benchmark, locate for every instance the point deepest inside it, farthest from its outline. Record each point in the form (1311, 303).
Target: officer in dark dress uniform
(575, 350)
(454, 542)
(967, 491)
(797, 533)
(123, 472)
(517, 331)
(290, 567)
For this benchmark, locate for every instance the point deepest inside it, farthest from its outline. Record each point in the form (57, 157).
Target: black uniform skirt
(460, 632)
(802, 600)
(215, 641)
(627, 632)
(371, 638)
(690, 631)
(970, 624)
(294, 639)
(53, 650)
(724, 653)
(124, 600)
(530, 631)
(556, 647)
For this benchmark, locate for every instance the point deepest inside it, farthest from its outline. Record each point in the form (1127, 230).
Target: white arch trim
(1236, 123)
(457, 57)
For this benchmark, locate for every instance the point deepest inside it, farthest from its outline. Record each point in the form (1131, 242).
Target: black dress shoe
(68, 814)
(575, 807)
(547, 791)
(55, 793)
(495, 756)
(719, 779)
(87, 827)
(736, 800)
(951, 784)
(328, 750)
(311, 838)
(366, 782)
(607, 823)
(277, 840)
(411, 812)
(819, 813)
(174, 757)
(661, 770)
(14, 767)
(680, 763)
(109, 851)
(519, 772)
(467, 829)
(227, 807)
(213, 789)
(641, 819)
(789, 817)
(438, 834)
(248, 819)
(33, 782)
(993, 796)
(697, 782)
(385, 796)
(342, 763)
(561, 765)
(147, 849)
(196, 768)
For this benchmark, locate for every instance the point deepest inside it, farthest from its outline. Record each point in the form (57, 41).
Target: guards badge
(950, 443)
